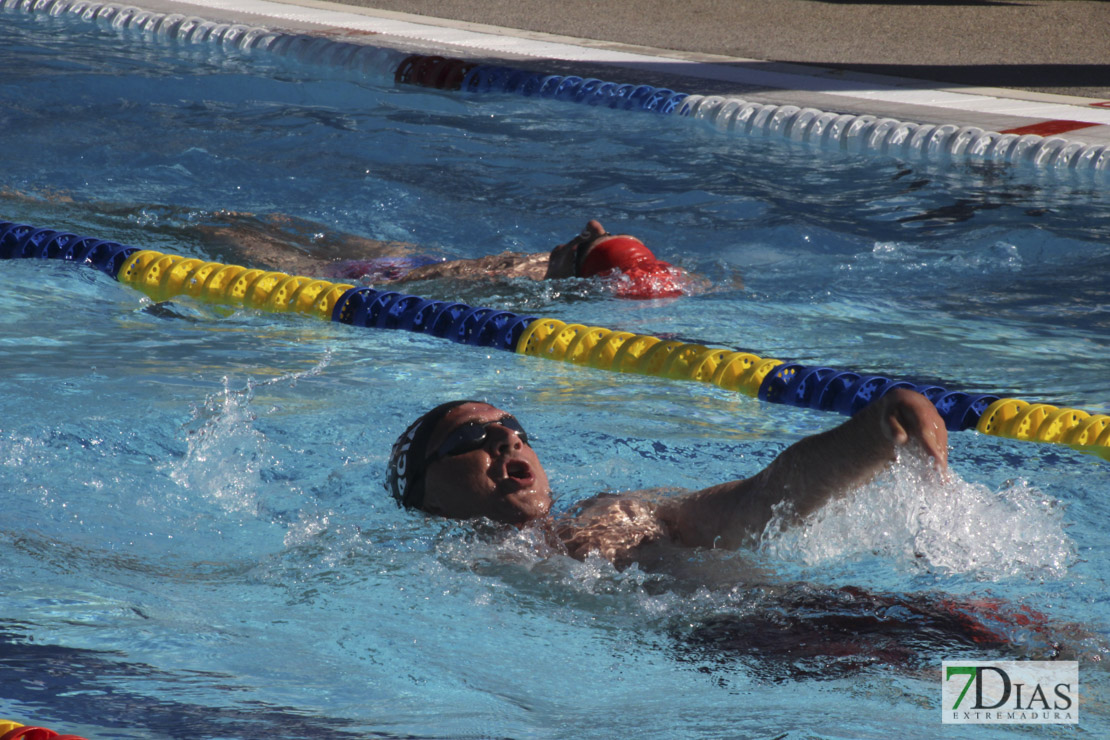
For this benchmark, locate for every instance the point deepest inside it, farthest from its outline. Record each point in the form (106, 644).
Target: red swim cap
(642, 275)
(614, 252)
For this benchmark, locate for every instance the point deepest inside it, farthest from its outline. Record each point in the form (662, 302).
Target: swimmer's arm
(556, 264)
(809, 473)
(504, 265)
(277, 242)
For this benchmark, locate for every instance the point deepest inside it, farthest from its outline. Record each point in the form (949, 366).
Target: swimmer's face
(561, 263)
(500, 478)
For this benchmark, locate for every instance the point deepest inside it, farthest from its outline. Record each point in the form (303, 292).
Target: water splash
(921, 523)
(226, 454)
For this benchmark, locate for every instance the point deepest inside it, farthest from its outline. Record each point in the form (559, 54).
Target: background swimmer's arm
(297, 246)
(302, 247)
(809, 473)
(504, 265)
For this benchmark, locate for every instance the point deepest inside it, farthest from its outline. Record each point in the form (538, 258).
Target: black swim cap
(405, 476)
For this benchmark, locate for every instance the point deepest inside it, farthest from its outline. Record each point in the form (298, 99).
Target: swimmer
(621, 261)
(297, 246)
(470, 460)
(467, 460)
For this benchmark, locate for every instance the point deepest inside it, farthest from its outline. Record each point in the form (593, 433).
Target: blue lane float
(860, 133)
(22, 241)
(443, 73)
(458, 322)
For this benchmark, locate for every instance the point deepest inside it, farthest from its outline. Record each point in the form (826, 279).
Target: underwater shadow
(806, 633)
(81, 686)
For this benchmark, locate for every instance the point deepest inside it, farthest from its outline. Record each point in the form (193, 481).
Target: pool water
(196, 540)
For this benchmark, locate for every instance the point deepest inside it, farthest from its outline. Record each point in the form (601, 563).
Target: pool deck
(1022, 66)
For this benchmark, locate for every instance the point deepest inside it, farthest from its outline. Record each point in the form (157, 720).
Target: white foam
(920, 522)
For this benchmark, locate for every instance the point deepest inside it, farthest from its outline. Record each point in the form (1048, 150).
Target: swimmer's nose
(501, 439)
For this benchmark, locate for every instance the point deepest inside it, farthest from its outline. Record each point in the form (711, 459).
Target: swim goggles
(471, 436)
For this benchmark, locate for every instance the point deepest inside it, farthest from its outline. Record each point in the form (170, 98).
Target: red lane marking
(1049, 128)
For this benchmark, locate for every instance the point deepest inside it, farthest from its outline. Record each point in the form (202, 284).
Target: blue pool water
(196, 542)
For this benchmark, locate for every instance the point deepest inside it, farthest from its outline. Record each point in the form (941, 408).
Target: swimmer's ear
(430, 505)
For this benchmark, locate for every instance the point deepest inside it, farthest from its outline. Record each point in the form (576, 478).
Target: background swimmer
(622, 261)
(627, 267)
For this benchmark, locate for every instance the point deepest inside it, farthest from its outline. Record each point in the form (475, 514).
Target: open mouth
(518, 476)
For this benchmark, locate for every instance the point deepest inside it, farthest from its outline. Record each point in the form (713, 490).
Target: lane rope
(733, 115)
(163, 277)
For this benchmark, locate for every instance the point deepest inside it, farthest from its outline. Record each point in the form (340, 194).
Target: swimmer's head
(624, 261)
(405, 475)
(467, 459)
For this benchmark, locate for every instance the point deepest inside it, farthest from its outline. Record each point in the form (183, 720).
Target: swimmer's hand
(611, 525)
(907, 417)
